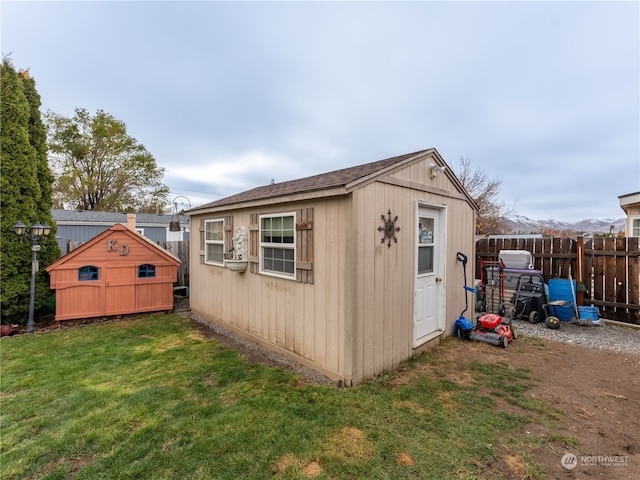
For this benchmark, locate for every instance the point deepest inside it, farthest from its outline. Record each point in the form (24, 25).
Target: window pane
(214, 231)
(88, 272)
(214, 253)
(274, 231)
(278, 260)
(287, 223)
(146, 271)
(425, 260)
(425, 230)
(278, 229)
(635, 229)
(289, 267)
(214, 241)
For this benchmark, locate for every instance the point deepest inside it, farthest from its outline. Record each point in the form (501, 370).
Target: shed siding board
(356, 318)
(300, 317)
(384, 334)
(383, 323)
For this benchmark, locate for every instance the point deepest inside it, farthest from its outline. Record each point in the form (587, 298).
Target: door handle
(438, 279)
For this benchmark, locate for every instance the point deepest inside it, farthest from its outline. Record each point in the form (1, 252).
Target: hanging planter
(238, 262)
(236, 265)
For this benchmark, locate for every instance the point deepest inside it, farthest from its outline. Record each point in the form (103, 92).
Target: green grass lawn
(150, 398)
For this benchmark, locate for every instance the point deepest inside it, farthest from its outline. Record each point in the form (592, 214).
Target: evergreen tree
(38, 138)
(22, 197)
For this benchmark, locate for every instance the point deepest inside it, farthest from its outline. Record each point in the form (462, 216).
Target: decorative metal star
(389, 228)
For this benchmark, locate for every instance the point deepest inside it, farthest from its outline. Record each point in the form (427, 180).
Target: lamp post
(37, 231)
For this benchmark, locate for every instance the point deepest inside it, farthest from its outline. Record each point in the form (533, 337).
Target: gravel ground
(606, 336)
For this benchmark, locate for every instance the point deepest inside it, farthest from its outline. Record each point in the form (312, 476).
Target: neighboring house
(630, 203)
(78, 226)
(349, 272)
(115, 273)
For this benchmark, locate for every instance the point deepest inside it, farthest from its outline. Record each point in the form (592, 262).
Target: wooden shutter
(254, 243)
(228, 236)
(304, 246)
(201, 233)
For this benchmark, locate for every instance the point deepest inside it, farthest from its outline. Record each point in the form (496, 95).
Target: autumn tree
(492, 214)
(99, 166)
(25, 193)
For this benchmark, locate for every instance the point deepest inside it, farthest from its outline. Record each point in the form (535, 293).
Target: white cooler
(516, 259)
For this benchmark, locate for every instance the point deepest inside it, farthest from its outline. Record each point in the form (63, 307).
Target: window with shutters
(278, 245)
(214, 242)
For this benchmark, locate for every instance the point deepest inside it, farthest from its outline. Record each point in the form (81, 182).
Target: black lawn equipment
(529, 299)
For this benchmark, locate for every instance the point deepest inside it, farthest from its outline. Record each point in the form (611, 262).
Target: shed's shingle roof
(323, 181)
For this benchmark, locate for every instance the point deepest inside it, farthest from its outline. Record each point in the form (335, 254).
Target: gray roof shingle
(323, 181)
(94, 216)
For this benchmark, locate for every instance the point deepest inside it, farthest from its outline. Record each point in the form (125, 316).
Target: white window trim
(213, 242)
(293, 247)
(632, 219)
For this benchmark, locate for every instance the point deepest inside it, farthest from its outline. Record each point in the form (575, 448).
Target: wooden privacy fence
(609, 268)
(181, 250)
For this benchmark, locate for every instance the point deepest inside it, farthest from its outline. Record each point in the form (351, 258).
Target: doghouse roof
(136, 237)
(340, 180)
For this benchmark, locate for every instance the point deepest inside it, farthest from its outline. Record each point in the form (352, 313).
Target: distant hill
(519, 224)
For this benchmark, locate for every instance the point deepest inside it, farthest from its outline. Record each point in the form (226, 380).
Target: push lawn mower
(489, 327)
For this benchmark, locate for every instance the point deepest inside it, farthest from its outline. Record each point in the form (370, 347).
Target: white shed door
(428, 285)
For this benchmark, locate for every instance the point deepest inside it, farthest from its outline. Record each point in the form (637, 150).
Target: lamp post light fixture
(37, 231)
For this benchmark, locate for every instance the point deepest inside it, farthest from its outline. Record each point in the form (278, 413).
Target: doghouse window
(88, 272)
(278, 244)
(146, 271)
(214, 242)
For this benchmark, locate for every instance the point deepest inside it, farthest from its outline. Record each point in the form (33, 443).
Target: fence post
(580, 270)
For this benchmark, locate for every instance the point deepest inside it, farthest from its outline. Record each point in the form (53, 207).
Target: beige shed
(349, 272)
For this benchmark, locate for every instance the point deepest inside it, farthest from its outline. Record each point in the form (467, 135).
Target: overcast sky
(544, 96)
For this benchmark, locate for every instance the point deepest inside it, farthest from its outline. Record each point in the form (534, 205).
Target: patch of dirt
(313, 469)
(404, 459)
(597, 395)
